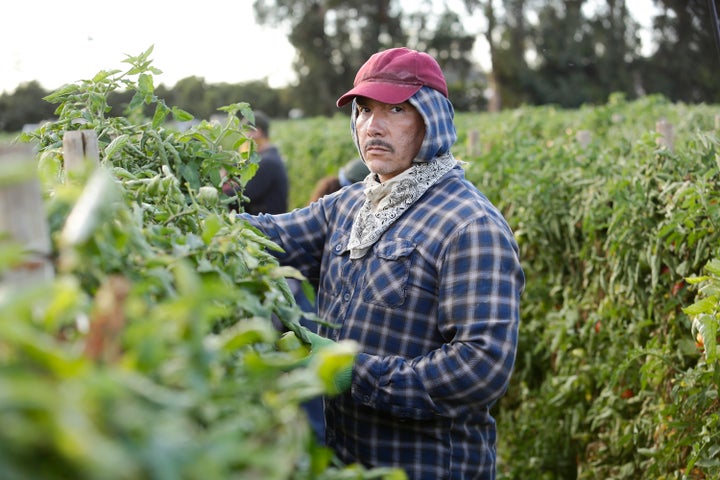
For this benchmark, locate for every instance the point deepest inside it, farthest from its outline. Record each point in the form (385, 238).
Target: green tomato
(208, 196)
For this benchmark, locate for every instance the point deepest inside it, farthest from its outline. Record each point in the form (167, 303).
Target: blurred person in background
(353, 171)
(267, 190)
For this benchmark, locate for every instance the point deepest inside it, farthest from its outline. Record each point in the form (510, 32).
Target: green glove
(341, 379)
(317, 342)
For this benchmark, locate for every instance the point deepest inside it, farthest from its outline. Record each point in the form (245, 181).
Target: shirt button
(346, 297)
(338, 248)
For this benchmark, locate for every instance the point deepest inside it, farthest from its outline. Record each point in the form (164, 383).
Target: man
(422, 271)
(268, 188)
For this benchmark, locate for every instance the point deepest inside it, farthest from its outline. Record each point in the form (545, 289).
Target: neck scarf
(386, 202)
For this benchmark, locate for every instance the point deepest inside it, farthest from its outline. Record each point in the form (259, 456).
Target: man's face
(389, 136)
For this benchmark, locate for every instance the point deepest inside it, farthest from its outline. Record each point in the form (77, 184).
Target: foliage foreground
(152, 353)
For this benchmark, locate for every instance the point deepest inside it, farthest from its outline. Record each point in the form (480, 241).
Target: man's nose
(375, 125)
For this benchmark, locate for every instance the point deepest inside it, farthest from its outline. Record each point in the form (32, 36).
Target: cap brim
(392, 93)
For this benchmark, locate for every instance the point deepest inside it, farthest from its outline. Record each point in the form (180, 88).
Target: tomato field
(152, 354)
(617, 218)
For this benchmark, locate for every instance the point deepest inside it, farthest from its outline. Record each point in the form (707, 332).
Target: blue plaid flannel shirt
(434, 306)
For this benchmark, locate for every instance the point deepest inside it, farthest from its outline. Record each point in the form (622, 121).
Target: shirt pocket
(386, 278)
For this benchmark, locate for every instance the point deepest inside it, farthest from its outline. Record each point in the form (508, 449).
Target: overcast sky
(62, 42)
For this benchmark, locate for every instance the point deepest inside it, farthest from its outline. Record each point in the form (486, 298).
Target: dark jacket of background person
(268, 188)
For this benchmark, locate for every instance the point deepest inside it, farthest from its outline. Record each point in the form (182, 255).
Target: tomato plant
(152, 353)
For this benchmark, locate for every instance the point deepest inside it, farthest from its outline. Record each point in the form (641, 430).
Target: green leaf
(181, 115)
(211, 226)
(332, 360)
(253, 235)
(707, 326)
(60, 94)
(161, 113)
(146, 85)
(713, 266)
(696, 280)
(704, 305)
(248, 332)
(139, 62)
(137, 101)
(103, 75)
(117, 144)
(190, 175)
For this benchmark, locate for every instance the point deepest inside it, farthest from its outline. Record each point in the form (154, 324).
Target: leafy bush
(608, 231)
(153, 353)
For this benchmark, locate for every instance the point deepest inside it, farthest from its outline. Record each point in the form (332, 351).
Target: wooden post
(583, 137)
(473, 144)
(80, 146)
(667, 134)
(23, 219)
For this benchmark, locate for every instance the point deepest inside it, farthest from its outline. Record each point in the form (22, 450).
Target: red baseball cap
(394, 75)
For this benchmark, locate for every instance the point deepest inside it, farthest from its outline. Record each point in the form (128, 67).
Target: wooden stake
(667, 134)
(80, 146)
(23, 220)
(583, 137)
(473, 144)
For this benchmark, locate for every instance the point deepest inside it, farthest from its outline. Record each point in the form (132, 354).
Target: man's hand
(327, 355)
(317, 342)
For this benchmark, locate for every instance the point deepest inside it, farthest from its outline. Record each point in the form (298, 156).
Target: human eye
(362, 108)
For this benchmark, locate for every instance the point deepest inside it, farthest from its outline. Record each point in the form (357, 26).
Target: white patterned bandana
(386, 202)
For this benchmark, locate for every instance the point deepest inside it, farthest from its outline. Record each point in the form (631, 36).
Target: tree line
(26, 105)
(562, 52)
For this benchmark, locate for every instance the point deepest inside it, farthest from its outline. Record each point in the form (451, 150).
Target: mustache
(378, 143)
